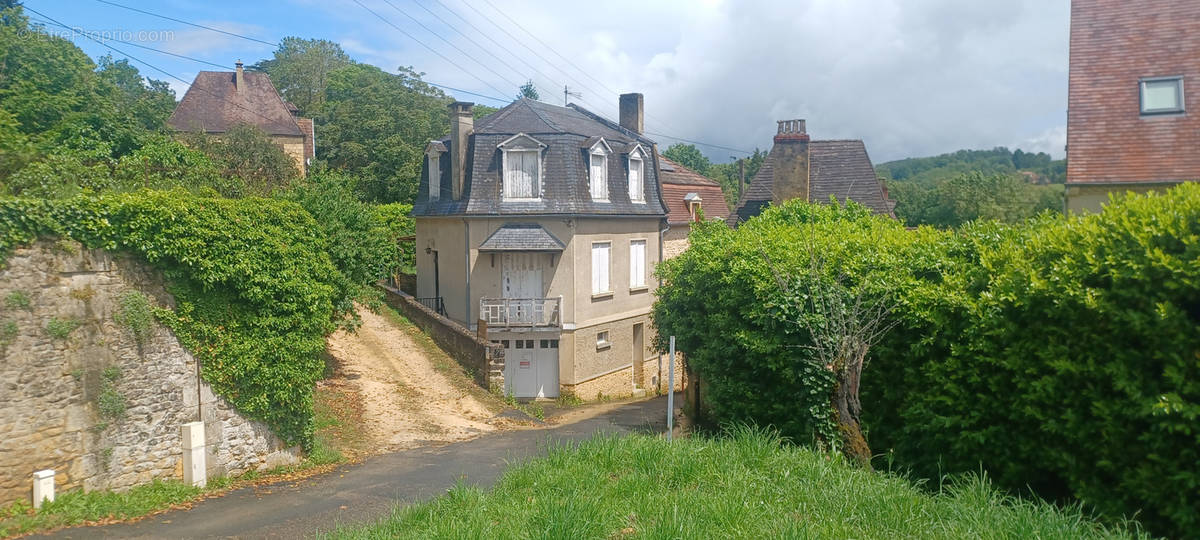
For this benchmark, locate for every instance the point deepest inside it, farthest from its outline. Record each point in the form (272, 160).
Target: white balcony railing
(531, 312)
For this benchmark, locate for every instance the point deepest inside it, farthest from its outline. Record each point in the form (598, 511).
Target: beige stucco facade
(451, 265)
(1091, 198)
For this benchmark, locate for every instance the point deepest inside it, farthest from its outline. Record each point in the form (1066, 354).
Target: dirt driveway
(411, 392)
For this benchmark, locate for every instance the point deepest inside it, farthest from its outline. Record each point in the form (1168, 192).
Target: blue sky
(910, 77)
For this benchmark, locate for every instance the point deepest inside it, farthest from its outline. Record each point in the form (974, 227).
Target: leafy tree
(971, 196)
(300, 70)
(528, 91)
(728, 174)
(689, 156)
(247, 153)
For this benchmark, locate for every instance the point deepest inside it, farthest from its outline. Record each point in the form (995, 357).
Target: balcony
(521, 312)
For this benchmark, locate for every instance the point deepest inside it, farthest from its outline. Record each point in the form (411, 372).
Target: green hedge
(254, 286)
(1062, 355)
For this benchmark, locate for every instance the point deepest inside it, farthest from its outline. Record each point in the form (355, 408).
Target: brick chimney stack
(239, 81)
(462, 122)
(632, 112)
(791, 161)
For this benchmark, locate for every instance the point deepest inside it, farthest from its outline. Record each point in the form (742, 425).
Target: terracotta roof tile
(213, 104)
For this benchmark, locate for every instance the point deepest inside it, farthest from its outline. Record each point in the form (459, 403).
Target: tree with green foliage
(971, 196)
(246, 153)
(689, 156)
(300, 70)
(528, 91)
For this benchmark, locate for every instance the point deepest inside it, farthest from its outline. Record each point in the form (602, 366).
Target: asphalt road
(369, 490)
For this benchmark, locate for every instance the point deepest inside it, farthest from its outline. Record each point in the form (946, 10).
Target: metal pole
(671, 392)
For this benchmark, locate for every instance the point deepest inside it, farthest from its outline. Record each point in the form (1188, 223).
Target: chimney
(791, 161)
(239, 80)
(462, 122)
(632, 112)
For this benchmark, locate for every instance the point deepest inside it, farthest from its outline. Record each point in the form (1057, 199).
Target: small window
(637, 189)
(598, 177)
(520, 343)
(435, 177)
(1162, 95)
(553, 343)
(600, 267)
(522, 174)
(637, 264)
(529, 344)
(602, 341)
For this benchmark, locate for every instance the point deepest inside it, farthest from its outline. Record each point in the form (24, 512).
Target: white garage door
(530, 367)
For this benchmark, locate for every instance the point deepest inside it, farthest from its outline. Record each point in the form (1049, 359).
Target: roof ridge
(542, 117)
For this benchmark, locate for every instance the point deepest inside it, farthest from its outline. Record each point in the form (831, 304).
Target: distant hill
(1037, 168)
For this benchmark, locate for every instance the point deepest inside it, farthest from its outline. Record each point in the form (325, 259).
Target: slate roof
(564, 131)
(678, 182)
(840, 168)
(213, 104)
(521, 237)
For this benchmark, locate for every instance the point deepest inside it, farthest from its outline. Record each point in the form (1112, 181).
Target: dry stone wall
(80, 395)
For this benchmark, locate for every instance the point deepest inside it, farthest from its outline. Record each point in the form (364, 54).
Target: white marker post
(43, 487)
(195, 472)
(671, 392)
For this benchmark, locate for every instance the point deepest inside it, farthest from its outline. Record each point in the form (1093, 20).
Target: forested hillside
(951, 189)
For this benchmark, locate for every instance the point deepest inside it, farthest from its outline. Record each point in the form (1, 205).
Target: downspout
(467, 265)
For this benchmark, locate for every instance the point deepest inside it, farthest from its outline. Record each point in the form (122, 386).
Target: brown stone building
(689, 196)
(219, 100)
(1128, 125)
(800, 168)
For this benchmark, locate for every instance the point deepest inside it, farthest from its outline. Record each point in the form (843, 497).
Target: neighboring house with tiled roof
(219, 100)
(544, 224)
(798, 167)
(1128, 124)
(689, 196)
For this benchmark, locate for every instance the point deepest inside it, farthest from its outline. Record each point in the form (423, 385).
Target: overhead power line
(452, 45)
(218, 30)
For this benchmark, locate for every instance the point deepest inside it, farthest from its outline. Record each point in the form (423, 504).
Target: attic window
(598, 170)
(693, 200)
(637, 174)
(522, 166)
(435, 175)
(1161, 95)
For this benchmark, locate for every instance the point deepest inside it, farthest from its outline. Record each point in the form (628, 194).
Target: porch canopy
(521, 237)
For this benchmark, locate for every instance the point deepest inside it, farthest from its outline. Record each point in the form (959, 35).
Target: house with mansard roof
(219, 100)
(798, 167)
(543, 224)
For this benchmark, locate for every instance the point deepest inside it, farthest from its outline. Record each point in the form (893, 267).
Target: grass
(746, 485)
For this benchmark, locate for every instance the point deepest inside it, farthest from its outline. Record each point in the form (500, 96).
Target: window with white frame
(522, 174)
(1161, 95)
(598, 176)
(637, 174)
(602, 341)
(435, 176)
(637, 264)
(601, 252)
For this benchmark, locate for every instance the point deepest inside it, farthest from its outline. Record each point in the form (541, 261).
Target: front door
(522, 275)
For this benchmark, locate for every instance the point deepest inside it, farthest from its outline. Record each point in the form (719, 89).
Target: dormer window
(521, 162)
(598, 169)
(433, 158)
(637, 174)
(693, 200)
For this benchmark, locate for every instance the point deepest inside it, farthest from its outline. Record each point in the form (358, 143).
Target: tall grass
(745, 485)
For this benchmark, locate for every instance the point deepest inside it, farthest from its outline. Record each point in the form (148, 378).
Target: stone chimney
(239, 80)
(791, 162)
(632, 112)
(462, 122)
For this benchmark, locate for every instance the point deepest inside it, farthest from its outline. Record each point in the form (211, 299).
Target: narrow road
(368, 490)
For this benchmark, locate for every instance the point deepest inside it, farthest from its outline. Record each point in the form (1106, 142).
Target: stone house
(689, 196)
(1128, 128)
(797, 167)
(219, 100)
(543, 224)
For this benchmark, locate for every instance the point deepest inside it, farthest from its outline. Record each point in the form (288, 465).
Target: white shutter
(529, 168)
(599, 177)
(637, 263)
(636, 191)
(521, 174)
(600, 283)
(435, 178)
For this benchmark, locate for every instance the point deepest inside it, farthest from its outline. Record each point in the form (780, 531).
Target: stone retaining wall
(78, 394)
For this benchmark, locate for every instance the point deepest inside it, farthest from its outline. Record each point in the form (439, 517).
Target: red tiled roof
(214, 104)
(1114, 43)
(678, 182)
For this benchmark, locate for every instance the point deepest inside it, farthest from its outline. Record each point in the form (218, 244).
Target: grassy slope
(747, 486)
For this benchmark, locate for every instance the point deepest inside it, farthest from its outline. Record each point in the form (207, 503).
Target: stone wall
(78, 394)
(483, 359)
(675, 241)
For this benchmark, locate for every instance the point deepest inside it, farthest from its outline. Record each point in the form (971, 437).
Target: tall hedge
(254, 286)
(1062, 355)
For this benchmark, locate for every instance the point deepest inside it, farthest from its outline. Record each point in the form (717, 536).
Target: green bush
(61, 328)
(1061, 355)
(397, 220)
(135, 314)
(254, 287)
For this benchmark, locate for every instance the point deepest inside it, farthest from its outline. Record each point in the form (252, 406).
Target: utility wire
(422, 43)
(186, 22)
(451, 44)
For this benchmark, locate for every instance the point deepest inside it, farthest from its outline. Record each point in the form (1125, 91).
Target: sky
(910, 77)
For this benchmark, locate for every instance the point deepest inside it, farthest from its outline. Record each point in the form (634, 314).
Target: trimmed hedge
(254, 286)
(1062, 355)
